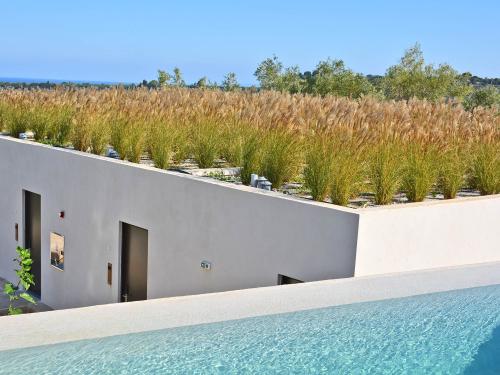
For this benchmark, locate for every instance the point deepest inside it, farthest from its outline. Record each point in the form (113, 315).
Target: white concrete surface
(428, 235)
(108, 320)
(249, 235)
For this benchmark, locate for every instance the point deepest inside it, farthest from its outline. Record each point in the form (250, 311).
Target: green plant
(281, 156)
(318, 168)
(38, 121)
(488, 96)
(25, 279)
(485, 168)
(59, 124)
(451, 171)
(16, 119)
(233, 136)
(135, 139)
(205, 143)
(161, 144)
(384, 171)
(250, 157)
(99, 134)
(347, 172)
(419, 171)
(118, 135)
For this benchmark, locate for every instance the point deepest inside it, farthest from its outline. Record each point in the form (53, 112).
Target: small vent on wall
(283, 280)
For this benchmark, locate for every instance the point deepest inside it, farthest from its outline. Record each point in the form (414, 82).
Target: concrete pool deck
(115, 319)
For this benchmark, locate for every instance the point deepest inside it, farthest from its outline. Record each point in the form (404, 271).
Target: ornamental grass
(338, 146)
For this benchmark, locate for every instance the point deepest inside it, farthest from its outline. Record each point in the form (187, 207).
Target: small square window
(57, 250)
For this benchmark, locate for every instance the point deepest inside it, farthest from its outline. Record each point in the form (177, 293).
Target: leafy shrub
(25, 279)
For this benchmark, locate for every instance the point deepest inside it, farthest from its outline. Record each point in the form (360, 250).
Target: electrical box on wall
(206, 265)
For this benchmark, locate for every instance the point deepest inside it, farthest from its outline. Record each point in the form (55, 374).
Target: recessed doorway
(33, 236)
(134, 263)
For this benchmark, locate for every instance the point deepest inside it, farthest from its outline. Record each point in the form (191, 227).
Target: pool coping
(116, 319)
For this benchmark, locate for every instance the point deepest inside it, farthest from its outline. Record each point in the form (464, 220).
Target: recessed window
(57, 250)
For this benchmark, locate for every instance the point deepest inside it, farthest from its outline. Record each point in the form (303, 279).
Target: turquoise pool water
(444, 333)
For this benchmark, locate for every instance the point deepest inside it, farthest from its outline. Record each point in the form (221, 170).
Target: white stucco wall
(250, 236)
(428, 235)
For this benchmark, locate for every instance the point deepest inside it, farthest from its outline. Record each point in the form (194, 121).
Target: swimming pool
(454, 332)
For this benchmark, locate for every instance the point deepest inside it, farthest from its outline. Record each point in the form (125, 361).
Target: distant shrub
(488, 96)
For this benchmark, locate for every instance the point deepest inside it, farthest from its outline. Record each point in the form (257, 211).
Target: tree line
(410, 78)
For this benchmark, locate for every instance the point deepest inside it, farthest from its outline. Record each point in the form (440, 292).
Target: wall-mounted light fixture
(16, 228)
(206, 265)
(61, 214)
(110, 273)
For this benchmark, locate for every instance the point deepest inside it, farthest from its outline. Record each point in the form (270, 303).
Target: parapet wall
(249, 236)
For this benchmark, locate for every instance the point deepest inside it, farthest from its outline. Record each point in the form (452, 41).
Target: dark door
(134, 267)
(32, 236)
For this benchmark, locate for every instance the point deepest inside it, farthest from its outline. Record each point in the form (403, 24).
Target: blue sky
(127, 41)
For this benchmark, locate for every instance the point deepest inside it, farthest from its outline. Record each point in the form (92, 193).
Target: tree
(163, 78)
(230, 82)
(292, 81)
(202, 83)
(412, 78)
(487, 96)
(268, 73)
(177, 78)
(331, 77)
